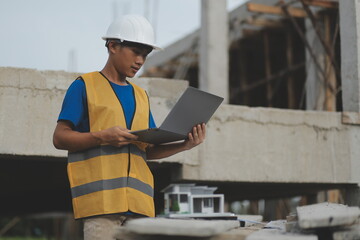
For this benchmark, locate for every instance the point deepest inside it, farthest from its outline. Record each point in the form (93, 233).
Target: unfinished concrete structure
(283, 54)
(250, 152)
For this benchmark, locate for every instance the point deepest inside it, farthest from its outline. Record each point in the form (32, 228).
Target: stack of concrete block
(163, 228)
(323, 221)
(166, 229)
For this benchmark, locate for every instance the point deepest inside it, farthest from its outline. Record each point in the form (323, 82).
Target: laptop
(193, 107)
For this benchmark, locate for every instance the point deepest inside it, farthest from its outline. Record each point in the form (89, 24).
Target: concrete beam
(248, 145)
(350, 54)
(214, 56)
(271, 145)
(30, 103)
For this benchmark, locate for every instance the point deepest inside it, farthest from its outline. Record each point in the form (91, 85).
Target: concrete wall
(272, 145)
(30, 102)
(243, 144)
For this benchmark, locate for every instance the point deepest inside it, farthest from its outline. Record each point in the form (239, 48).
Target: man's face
(128, 58)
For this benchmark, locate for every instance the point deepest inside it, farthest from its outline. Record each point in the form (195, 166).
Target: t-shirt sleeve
(151, 121)
(74, 107)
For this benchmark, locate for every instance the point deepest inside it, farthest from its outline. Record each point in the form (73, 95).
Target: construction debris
(323, 221)
(327, 215)
(350, 233)
(277, 234)
(318, 221)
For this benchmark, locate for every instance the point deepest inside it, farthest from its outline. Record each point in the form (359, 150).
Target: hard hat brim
(151, 45)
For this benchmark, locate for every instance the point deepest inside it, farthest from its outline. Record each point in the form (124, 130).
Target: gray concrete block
(349, 233)
(235, 234)
(277, 224)
(250, 220)
(276, 234)
(179, 227)
(327, 215)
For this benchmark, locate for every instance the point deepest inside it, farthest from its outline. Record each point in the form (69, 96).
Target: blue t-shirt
(75, 108)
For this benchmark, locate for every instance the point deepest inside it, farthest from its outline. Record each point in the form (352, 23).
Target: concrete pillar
(270, 209)
(315, 88)
(352, 196)
(350, 81)
(350, 54)
(214, 55)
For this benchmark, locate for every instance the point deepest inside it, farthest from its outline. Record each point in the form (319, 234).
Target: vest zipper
(130, 127)
(129, 161)
(135, 105)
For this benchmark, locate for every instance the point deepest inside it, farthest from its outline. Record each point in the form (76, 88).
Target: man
(109, 178)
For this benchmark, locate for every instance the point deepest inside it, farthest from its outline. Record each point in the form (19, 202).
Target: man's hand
(67, 139)
(116, 136)
(196, 137)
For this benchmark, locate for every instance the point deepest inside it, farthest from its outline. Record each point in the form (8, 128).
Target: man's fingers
(125, 133)
(203, 129)
(200, 131)
(130, 136)
(191, 138)
(195, 131)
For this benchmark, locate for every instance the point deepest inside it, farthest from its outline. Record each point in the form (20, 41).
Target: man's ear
(112, 46)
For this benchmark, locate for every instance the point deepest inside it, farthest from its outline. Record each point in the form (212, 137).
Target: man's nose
(140, 60)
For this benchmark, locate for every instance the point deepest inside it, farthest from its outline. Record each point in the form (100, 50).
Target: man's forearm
(163, 151)
(75, 141)
(67, 139)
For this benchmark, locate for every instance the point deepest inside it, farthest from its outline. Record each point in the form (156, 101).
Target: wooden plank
(290, 79)
(330, 100)
(269, 89)
(244, 76)
(262, 22)
(321, 3)
(261, 8)
(352, 118)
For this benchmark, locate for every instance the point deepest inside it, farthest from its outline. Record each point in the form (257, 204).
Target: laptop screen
(193, 107)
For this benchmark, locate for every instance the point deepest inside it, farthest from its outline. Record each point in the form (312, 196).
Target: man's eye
(136, 51)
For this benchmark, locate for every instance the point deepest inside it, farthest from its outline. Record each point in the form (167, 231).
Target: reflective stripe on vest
(108, 184)
(103, 150)
(108, 179)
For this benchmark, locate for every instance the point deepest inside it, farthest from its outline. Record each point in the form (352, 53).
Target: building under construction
(282, 54)
(289, 128)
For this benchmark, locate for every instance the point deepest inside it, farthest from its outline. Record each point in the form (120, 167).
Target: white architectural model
(188, 199)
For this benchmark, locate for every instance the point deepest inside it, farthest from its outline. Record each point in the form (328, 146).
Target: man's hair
(129, 44)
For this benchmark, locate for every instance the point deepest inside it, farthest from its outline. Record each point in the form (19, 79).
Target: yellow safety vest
(108, 179)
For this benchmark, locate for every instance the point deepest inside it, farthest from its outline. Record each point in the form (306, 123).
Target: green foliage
(175, 206)
(21, 238)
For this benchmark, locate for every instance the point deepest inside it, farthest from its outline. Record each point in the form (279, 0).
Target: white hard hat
(132, 28)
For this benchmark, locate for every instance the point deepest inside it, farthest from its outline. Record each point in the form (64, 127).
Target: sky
(66, 35)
